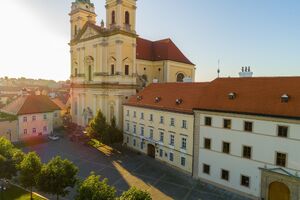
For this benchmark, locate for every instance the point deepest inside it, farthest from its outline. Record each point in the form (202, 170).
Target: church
(110, 62)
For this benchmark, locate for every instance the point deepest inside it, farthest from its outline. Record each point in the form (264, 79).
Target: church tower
(82, 11)
(121, 14)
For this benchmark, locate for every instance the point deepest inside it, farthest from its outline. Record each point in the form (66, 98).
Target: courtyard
(125, 169)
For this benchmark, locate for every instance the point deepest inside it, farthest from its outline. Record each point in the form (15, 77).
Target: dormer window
(157, 99)
(285, 98)
(179, 101)
(139, 98)
(231, 95)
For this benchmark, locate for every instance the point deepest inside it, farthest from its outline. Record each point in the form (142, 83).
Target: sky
(263, 34)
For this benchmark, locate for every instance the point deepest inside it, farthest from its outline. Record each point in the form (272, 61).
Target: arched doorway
(180, 77)
(151, 150)
(278, 191)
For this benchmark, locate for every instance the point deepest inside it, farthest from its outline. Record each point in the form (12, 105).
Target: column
(119, 14)
(134, 67)
(100, 59)
(96, 61)
(119, 57)
(82, 51)
(104, 47)
(79, 60)
(71, 56)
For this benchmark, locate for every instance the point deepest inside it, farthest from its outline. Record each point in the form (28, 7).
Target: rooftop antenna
(219, 68)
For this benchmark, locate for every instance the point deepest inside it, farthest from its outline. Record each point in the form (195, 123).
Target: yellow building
(110, 62)
(159, 121)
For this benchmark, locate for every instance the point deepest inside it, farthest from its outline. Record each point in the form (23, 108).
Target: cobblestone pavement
(126, 168)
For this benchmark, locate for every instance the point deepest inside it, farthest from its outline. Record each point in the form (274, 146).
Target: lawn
(17, 193)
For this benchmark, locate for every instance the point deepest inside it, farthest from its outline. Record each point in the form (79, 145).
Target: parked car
(53, 137)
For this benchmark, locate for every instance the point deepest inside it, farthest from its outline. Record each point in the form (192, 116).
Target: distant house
(35, 115)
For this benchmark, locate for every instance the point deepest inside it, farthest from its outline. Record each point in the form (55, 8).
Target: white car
(53, 137)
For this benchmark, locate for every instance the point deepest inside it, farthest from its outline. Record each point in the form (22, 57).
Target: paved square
(126, 169)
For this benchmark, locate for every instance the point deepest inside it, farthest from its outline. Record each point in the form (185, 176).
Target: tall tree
(30, 169)
(94, 189)
(98, 127)
(56, 176)
(114, 133)
(135, 194)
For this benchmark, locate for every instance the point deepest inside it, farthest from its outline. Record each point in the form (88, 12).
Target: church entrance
(278, 191)
(151, 150)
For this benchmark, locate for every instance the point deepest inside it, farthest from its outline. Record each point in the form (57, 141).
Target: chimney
(246, 72)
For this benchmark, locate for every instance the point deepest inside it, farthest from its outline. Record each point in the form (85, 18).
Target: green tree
(98, 127)
(56, 176)
(135, 194)
(30, 169)
(115, 135)
(94, 189)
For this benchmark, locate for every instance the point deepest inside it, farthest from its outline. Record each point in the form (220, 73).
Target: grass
(17, 193)
(95, 143)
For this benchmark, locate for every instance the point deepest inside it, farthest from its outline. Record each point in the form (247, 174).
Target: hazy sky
(264, 34)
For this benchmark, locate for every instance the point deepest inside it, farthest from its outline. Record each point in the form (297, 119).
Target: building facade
(110, 62)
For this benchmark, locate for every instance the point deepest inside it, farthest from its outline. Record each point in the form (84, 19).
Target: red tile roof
(168, 93)
(255, 96)
(30, 105)
(159, 50)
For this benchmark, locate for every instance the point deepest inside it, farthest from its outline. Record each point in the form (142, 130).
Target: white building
(35, 115)
(247, 137)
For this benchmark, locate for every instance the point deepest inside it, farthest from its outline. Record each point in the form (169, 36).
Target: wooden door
(278, 191)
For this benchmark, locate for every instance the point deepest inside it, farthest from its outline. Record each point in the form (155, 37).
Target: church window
(112, 69)
(127, 17)
(90, 73)
(180, 77)
(76, 72)
(113, 17)
(126, 70)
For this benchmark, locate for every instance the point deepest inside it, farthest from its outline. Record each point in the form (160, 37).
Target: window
(134, 114)
(45, 128)
(151, 118)
(90, 73)
(134, 129)
(33, 118)
(248, 126)
(171, 157)
(151, 134)
(112, 69)
(142, 145)
(208, 121)
(172, 139)
(247, 152)
(227, 124)
(142, 131)
(172, 122)
(24, 119)
(127, 127)
(183, 143)
(282, 131)
(182, 161)
(207, 143)
(25, 131)
(161, 120)
(34, 130)
(180, 77)
(127, 17)
(45, 116)
(225, 175)
(206, 169)
(127, 113)
(281, 159)
(126, 70)
(184, 124)
(226, 147)
(142, 115)
(113, 17)
(134, 142)
(161, 137)
(161, 153)
(245, 181)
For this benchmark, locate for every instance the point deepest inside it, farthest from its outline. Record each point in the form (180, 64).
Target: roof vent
(232, 95)
(179, 101)
(157, 99)
(246, 72)
(139, 98)
(285, 98)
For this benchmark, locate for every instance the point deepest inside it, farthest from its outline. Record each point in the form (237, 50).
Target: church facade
(110, 62)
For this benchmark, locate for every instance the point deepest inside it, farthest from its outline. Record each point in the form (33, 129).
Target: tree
(98, 127)
(94, 189)
(30, 169)
(56, 176)
(115, 134)
(135, 194)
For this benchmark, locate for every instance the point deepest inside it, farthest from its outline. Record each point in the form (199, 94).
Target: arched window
(180, 77)
(127, 17)
(90, 73)
(112, 69)
(126, 70)
(113, 17)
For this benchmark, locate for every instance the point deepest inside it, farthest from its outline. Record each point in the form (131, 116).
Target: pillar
(119, 57)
